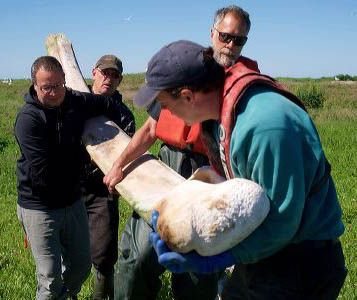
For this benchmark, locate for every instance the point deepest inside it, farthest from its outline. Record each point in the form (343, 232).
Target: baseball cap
(176, 64)
(109, 62)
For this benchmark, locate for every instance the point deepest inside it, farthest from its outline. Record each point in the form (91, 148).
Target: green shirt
(275, 144)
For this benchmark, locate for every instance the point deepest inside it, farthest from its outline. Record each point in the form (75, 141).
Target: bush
(311, 95)
(346, 77)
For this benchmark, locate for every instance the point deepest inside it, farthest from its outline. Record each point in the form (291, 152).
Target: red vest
(239, 78)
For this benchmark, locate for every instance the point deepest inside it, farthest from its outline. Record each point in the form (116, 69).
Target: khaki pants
(59, 241)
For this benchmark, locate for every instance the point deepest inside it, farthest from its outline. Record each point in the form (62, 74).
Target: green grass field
(336, 122)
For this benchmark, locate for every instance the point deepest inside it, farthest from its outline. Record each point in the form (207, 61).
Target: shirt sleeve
(126, 120)
(31, 137)
(112, 107)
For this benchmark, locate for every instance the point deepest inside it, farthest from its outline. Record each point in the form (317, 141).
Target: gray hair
(232, 9)
(48, 63)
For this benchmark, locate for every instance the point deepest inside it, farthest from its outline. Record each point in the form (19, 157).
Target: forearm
(140, 143)
(142, 140)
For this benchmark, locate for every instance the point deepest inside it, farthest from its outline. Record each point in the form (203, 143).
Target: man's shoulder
(29, 118)
(75, 98)
(249, 63)
(70, 93)
(30, 111)
(117, 96)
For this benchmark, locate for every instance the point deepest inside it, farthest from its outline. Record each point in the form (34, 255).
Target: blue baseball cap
(177, 64)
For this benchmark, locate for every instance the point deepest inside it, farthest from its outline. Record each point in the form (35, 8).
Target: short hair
(213, 79)
(237, 11)
(48, 63)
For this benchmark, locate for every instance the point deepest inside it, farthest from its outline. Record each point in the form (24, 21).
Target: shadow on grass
(3, 144)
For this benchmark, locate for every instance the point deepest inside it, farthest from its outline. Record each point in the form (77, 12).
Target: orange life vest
(173, 131)
(239, 78)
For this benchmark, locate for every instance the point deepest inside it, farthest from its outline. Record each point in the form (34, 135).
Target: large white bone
(210, 218)
(205, 213)
(146, 179)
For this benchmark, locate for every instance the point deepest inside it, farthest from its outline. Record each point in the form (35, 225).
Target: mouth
(228, 54)
(107, 86)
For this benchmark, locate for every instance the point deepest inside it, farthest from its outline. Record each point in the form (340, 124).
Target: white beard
(225, 60)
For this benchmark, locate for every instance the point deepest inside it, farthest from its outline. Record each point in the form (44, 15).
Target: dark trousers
(103, 218)
(309, 270)
(137, 271)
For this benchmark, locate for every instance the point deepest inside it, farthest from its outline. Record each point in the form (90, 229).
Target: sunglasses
(227, 38)
(109, 73)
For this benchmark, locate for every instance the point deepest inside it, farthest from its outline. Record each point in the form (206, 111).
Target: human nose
(52, 91)
(230, 44)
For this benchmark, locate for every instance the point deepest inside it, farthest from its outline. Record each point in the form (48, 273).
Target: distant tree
(345, 77)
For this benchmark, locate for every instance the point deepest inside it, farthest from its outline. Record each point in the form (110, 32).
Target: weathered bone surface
(147, 179)
(211, 217)
(205, 213)
(60, 47)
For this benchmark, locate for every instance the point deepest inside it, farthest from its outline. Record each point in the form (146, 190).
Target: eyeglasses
(46, 89)
(227, 38)
(109, 73)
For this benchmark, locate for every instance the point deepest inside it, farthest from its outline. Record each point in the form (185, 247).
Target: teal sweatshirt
(275, 144)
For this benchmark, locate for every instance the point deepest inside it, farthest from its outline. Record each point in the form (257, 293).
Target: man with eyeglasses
(48, 130)
(102, 207)
(138, 272)
(107, 75)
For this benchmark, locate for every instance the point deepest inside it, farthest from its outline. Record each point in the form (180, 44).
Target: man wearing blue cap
(137, 275)
(255, 129)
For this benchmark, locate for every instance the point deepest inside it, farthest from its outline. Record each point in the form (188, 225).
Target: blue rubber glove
(189, 262)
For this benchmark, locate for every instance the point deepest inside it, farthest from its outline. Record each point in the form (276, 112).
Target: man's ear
(35, 87)
(93, 72)
(187, 94)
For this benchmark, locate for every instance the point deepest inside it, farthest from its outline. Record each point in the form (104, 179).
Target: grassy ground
(336, 122)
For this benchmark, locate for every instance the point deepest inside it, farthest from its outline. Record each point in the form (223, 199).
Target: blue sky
(306, 38)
